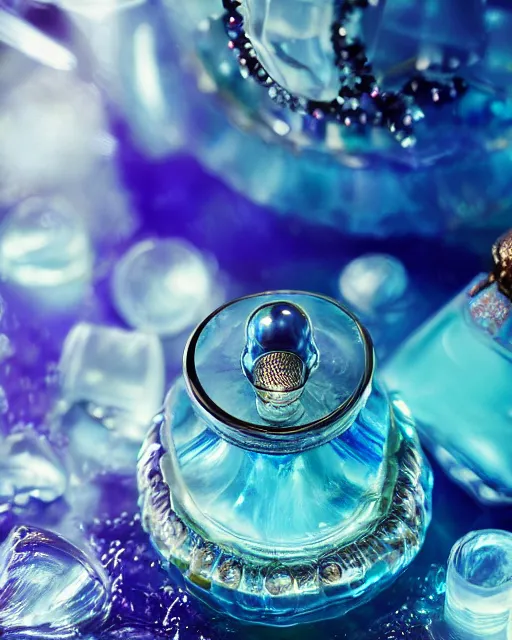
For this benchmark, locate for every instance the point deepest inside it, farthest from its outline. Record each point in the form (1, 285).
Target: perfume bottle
(279, 479)
(453, 375)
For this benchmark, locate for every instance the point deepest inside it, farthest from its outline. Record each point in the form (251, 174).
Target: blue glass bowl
(358, 179)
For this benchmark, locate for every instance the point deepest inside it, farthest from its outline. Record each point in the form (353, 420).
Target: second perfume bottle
(455, 377)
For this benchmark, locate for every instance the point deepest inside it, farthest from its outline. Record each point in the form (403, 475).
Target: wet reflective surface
(111, 153)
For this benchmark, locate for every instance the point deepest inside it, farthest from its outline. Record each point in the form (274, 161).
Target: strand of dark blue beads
(359, 100)
(357, 81)
(426, 91)
(248, 60)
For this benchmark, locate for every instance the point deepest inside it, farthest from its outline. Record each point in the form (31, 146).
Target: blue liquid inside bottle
(454, 375)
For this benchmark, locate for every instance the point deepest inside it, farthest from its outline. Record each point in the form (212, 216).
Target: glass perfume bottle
(454, 375)
(279, 479)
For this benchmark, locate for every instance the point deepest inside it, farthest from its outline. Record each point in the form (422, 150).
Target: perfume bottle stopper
(502, 254)
(502, 271)
(279, 355)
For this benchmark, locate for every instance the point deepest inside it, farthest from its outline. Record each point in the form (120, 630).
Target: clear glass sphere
(163, 286)
(373, 283)
(44, 243)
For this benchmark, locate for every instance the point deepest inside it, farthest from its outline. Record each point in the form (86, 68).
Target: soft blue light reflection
(24, 37)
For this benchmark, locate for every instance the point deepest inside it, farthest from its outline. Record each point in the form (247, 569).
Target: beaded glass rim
(204, 400)
(395, 539)
(360, 100)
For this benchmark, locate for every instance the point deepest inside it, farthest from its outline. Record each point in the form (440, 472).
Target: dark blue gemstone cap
(279, 327)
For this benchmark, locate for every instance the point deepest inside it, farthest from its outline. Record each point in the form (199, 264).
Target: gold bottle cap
(502, 255)
(490, 299)
(501, 275)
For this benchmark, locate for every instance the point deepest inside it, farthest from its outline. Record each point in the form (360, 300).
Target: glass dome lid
(281, 364)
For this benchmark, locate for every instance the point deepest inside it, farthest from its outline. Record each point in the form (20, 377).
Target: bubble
(163, 286)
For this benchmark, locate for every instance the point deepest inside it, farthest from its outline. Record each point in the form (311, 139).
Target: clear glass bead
(377, 287)
(373, 284)
(479, 586)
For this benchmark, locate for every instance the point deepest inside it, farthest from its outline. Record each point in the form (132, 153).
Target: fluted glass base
(271, 580)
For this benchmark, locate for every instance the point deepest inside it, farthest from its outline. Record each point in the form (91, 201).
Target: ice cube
(118, 374)
(29, 469)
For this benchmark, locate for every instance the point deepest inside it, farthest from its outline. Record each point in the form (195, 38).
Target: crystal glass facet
(283, 518)
(118, 374)
(295, 44)
(48, 587)
(453, 374)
